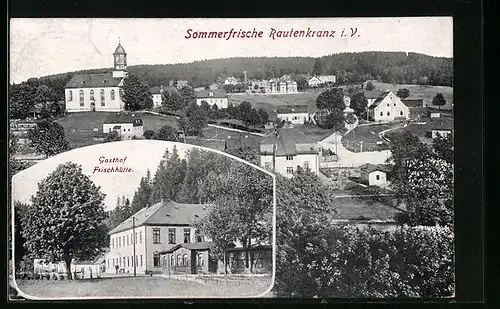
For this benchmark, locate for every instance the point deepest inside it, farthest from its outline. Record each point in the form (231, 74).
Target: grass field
(144, 287)
(363, 208)
(78, 126)
(368, 134)
(425, 92)
(269, 102)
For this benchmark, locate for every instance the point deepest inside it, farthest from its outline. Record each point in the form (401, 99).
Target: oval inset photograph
(143, 218)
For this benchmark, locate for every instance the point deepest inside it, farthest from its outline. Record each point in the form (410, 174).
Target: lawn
(363, 208)
(425, 92)
(418, 128)
(270, 102)
(78, 126)
(369, 135)
(145, 287)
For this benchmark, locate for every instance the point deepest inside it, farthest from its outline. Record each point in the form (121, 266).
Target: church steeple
(120, 61)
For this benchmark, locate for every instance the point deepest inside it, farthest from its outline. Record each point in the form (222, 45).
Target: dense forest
(389, 67)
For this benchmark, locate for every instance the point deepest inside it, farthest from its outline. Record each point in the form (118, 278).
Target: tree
(318, 67)
(172, 101)
(244, 194)
(187, 96)
(169, 177)
(444, 147)
(335, 120)
(403, 93)
(113, 136)
(13, 144)
(167, 133)
(197, 119)
(438, 100)
(369, 86)
(246, 153)
(136, 94)
(359, 103)
(21, 98)
(149, 134)
(331, 99)
(66, 218)
(48, 138)
(42, 100)
(19, 241)
(264, 116)
(142, 194)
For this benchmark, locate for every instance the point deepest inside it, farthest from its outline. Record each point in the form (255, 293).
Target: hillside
(390, 67)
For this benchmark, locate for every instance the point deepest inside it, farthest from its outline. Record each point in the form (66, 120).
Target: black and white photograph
(228, 158)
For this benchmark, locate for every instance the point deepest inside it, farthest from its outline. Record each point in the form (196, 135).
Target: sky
(141, 155)
(40, 47)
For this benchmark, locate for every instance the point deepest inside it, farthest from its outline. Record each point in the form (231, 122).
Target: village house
(388, 107)
(285, 151)
(295, 114)
(374, 175)
(316, 81)
(213, 97)
(371, 96)
(20, 129)
(282, 86)
(178, 84)
(442, 126)
(231, 81)
(98, 91)
(157, 93)
(127, 125)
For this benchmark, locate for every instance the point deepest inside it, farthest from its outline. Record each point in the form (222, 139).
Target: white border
(30, 297)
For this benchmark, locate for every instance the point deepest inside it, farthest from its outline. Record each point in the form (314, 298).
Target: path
(235, 130)
(382, 133)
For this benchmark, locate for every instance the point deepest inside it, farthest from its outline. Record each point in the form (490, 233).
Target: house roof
(379, 99)
(442, 123)
(93, 80)
(288, 143)
(218, 93)
(206, 245)
(372, 94)
(124, 117)
(292, 109)
(368, 168)
(242, 142)
(164, 213)
(232, 79)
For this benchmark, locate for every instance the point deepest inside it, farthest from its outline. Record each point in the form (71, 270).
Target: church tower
(120, 62)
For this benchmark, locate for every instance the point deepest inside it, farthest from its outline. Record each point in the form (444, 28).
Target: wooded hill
(388, 67)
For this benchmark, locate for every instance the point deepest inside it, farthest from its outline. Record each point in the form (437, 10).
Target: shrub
(344, 261)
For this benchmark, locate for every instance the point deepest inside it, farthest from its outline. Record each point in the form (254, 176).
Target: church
(98, 91)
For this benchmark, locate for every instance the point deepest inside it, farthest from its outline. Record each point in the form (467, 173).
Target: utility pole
(134, 240)
(274, 159)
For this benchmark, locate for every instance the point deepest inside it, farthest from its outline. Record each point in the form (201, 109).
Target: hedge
(345, 262)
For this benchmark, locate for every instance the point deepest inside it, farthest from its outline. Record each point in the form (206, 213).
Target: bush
(347, 262)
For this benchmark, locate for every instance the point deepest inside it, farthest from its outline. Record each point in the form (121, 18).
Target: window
(141, 259)
(377, 177)
(288, 158)
(140, 237)
(388, 113)
(156, 236)
(132, 258)
(171, 236)
(114, 263)
(70, 96)
(164, 261)
(103, 98)
(123, 241)
(185, 261)
(112, 242)
(187, 236)
(179, 260)
(306, 165)
(156, 259)
(91, 95)
(394, 104)
(172, 261)
(119, 241)
(197, 236)
(127, 241)
(289, 170)
(112, 94)
(401, 113)
(381, 113)
(135, 237)
(200, 259)
(107, 263)
(128, 261)
(136, 260)
(81, 97)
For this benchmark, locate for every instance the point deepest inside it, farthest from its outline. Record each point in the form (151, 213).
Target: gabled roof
(206, 245)
(372, 94)
(379, 99)
(217, 93)
(292, 109)
(164, 213)
(93, 80)
(368, 168)
(123, 117)
(287, 144)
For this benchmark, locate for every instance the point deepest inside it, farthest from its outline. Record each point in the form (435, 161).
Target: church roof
(93, 80)
(119, 49)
